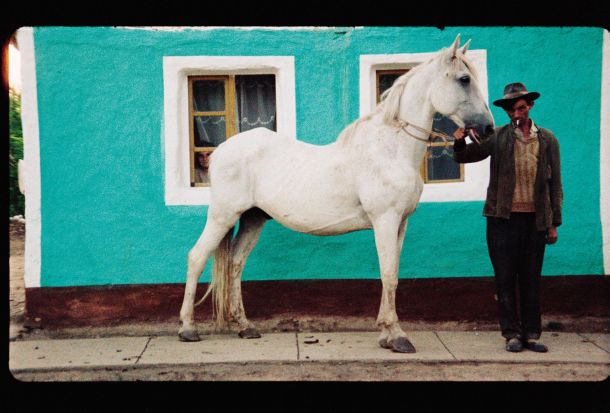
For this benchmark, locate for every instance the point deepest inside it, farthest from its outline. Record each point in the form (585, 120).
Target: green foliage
(16, 198)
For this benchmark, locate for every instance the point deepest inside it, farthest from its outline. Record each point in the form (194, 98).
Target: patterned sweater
(526, 162)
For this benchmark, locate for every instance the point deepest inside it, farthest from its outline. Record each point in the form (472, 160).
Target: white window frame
(476, 175)
(176, 69)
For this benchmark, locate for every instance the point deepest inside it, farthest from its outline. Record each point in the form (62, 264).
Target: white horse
(368, 178)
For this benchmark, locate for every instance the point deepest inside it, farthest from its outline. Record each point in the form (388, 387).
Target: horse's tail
(220, 285)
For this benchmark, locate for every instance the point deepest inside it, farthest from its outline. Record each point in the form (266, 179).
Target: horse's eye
(465, 80)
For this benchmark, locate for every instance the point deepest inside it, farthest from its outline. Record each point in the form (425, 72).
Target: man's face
(520, 110)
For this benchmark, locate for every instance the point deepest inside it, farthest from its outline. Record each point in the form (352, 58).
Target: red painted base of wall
(446, 299)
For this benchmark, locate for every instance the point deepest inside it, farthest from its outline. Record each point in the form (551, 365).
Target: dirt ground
(16, 265)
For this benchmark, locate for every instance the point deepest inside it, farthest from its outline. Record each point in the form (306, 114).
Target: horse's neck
(377, 141)
(415, 110)
(414, 105)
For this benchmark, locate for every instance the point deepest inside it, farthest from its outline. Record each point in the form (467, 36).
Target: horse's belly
(306, 203)
(321, 222)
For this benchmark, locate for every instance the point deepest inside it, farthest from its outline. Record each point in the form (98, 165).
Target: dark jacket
(500, 146)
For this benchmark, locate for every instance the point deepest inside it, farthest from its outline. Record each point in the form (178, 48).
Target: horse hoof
(384, 343)
(249, 333)
(189, 336)
(402, 345)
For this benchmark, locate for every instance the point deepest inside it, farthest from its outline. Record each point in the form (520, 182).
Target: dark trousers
(516, 249)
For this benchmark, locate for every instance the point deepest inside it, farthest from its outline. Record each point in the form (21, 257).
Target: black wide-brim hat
(514, 92)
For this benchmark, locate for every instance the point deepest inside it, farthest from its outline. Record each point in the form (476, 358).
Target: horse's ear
(455, 45)
(465, 47)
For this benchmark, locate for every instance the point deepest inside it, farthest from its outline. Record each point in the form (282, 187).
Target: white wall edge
(31, 154)
(604, 161)
(474, 187)
(238, 28)
(175, 71)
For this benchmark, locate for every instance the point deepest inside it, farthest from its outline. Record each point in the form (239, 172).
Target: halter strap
(404, 125)
(430, 133)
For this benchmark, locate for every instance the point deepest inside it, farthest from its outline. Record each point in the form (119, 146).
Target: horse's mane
(389, 104)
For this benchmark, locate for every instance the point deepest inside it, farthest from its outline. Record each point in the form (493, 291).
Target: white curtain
(255, 102)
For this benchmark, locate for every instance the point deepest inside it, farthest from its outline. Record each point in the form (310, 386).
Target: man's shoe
(514, 345)
(535, 346)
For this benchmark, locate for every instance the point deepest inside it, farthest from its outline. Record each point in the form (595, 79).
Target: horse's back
(262, 151)
(244, 145)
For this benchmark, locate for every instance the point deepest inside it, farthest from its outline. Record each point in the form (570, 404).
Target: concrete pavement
(299, 356)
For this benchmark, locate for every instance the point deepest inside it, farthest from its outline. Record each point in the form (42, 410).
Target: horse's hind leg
(250, 227)
(213, 233)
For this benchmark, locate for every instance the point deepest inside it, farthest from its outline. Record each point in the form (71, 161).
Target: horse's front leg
(389, 236)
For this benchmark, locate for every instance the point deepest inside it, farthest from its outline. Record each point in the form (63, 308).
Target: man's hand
(551, 235)
(459, 133)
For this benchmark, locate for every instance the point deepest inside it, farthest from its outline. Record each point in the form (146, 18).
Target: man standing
(523, 210)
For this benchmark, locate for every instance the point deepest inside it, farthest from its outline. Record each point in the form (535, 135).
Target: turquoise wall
(100, 100)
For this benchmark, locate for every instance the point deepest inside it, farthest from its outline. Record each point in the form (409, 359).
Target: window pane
(441, 165)
(386, 81)
(255, 102)
(209, 130)
(443, 124)
(209, 95)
